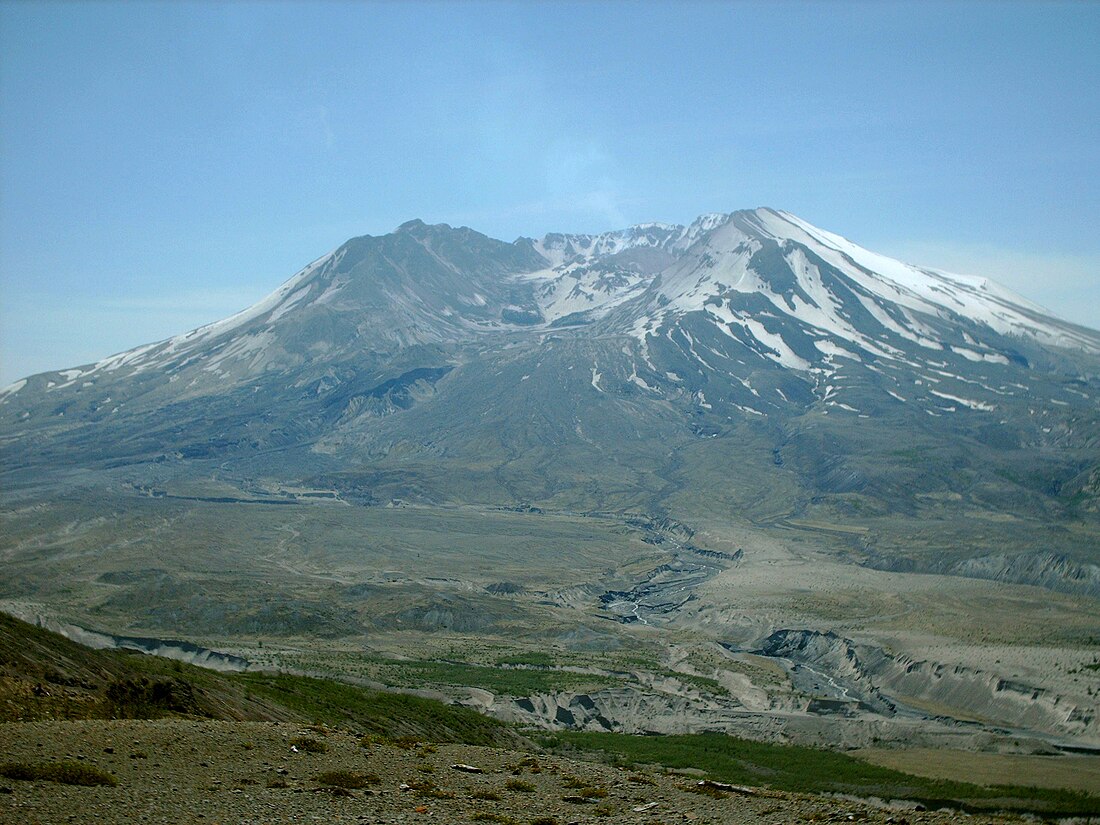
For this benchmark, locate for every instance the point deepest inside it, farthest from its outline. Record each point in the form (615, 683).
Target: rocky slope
(183, 772)
(808, 360)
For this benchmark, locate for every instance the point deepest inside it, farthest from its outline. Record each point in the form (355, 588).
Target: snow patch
(596, 375)
(13, 388)
(971, 355)
(974, 405)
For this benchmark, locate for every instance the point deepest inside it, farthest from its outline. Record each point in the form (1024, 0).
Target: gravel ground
(179, 771)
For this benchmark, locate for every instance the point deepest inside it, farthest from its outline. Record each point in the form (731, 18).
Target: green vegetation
(346, 779)
(115, 683)
(506, 681)
(389, 715)
(701, 683)
(67, 773)
(429, 789)
(586, 791)
(308, 744)
(144, 698)
(809, 770)
(707, 790)
(533, 658)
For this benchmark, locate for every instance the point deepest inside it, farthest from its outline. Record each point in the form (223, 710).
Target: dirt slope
(185, 771)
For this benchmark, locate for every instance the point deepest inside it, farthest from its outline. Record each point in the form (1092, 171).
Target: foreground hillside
(317, 750)
(181, 771)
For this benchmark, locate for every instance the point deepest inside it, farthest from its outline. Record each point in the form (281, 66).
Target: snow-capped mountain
(439, 355)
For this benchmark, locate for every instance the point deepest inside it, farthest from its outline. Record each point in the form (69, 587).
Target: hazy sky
(165, 165)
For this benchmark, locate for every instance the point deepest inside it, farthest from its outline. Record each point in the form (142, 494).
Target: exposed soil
(182, 771)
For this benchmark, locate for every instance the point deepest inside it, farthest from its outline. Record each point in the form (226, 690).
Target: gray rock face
(165, 648)
(851, 674)
(1049, 570)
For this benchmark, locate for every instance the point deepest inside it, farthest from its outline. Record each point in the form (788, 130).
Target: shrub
(519, 785)
(429, 789)
(308, 744)
(66, 773)
(707, 790)
(142, 698)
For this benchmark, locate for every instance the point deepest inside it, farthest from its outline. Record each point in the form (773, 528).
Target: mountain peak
(777, 291)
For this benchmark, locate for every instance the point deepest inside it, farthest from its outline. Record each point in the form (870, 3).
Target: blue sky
(164, 165)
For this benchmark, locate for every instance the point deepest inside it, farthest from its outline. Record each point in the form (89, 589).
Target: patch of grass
(485, 816)
(702, 683)
(810, 770)
(345, 779)
(501, 680)
(143, 698)
(519, 785)
(429, 789)
(65, 773)
(544, 820)
(706, 790)
(535, 658)
(308, 744)
(488, 796)
(587, 791)
(393, 716)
